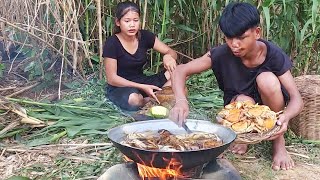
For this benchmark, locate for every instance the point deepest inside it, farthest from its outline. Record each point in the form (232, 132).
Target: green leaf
(92, 132)
(39, 141)
(2, 68)
(29, 67)
(186, 28)
(73, 130)
(314, 13)
(49, 76)
(18, 178)
(167, 40)
(284, 6)
(266, 12)
(304, 29)
(92, 7)
(95, 58)
(73, 84)
(267, 3)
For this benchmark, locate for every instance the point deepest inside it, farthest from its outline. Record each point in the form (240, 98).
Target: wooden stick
(7, 88)
(23, 90)
(190, 39)
(301, 155)
(20, 150)
(184, 55)
(20, 76)
(9, 127)
(81, 158)
(63, 50)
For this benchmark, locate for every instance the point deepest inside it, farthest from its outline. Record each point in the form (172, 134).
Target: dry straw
(44, 24)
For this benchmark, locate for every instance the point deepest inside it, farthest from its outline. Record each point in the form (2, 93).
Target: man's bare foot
(281, 158)
(239, 148)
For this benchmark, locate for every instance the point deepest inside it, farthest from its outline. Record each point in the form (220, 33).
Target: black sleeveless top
(129, 66)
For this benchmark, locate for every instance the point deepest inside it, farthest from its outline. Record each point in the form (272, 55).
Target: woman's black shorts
(120, 95)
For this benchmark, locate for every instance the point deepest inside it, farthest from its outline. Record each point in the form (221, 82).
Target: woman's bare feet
(281, 158)
(239, 148)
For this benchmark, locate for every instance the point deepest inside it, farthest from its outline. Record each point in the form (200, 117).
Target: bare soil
(262, 170)
(46, 161)
(255, 165)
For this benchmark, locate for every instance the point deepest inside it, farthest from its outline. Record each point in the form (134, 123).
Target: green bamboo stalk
(56, 137)
(163, 27)
(12, 133)
(87, 21)
(153, 28)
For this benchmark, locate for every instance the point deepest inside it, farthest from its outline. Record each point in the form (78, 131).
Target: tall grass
(189, 27)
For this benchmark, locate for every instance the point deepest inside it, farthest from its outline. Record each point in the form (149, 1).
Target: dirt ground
(46, 161)
(260, 170)
(256, 166)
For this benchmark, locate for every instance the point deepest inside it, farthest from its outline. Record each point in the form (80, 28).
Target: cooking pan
(160, 159)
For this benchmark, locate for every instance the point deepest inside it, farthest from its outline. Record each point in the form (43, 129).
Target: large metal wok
(154, 158)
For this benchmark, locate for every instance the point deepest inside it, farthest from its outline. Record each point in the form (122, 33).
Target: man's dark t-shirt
(235, 78)
(129, 66)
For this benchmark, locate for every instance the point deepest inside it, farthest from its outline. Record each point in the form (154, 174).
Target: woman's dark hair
(237, 18)
(122, 9)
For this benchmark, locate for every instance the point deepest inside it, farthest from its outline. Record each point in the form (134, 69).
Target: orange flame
(172, 171)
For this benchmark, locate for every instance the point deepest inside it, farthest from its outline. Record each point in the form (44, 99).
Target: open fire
(172, 171)
(169, 164)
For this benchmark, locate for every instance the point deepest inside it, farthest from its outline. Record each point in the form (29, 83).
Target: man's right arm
(180, 111)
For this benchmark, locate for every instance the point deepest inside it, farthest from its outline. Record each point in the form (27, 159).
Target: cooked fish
(164, 140)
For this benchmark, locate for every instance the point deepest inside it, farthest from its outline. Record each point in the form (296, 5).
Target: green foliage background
(190, 27)
(69, 30)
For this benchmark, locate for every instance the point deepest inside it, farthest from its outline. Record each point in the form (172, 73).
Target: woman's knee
(268, 83)
(135, 99)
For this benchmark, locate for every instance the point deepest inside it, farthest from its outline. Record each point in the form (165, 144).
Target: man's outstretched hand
(283, 123)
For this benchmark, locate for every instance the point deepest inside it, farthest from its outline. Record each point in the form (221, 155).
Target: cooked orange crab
(257, 110)
(234, 115)
(245, 117)
(240, 127)
(239, 105)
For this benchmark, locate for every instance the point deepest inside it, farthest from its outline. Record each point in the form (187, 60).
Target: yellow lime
(159, 111)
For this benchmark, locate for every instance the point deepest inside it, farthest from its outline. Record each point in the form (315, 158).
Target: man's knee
(242, 97)
(268, 83)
